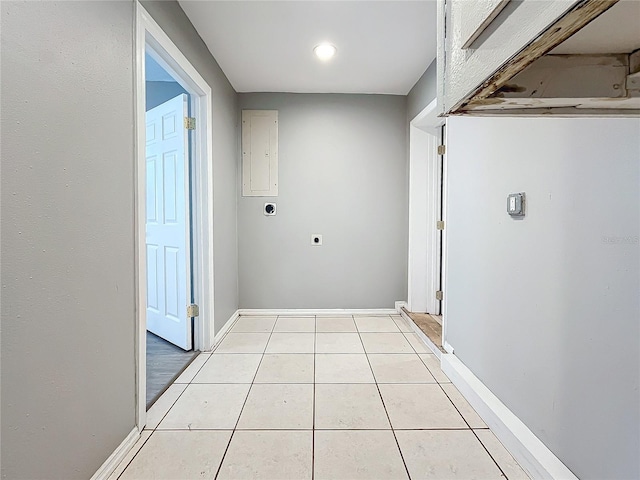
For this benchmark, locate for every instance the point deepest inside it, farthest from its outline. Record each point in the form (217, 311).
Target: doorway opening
(169, 338)
(174, 213)
(427, 226)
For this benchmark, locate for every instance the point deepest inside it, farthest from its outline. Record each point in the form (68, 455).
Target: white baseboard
(399, 306)
(316, 311)
(532, 455)
(426, 340)
(447, 347)
(224, 330)
(117, 456)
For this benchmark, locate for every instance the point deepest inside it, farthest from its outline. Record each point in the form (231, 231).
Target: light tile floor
(316, 397)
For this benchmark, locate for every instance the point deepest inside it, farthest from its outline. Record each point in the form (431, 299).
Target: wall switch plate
(515, 204)
(316, 239)
(269, 209)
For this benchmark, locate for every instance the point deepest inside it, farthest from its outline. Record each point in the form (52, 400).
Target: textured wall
(513, 29)
(68, 378)
(544, 310)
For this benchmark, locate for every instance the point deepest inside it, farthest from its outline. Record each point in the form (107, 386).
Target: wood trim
(420, 334)
(554, 35)
(532, 455)
(563, 112)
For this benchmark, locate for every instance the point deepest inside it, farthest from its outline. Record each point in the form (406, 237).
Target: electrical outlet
(316, 239)
(269, 209)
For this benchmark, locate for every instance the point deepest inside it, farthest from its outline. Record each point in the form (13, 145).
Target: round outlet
(269, 208)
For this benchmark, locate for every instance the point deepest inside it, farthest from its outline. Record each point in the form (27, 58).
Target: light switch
(515, 204)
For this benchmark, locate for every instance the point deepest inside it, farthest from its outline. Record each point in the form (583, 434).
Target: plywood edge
(554, 35)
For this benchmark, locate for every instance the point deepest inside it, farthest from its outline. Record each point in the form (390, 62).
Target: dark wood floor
(165, 362)
(429, 326)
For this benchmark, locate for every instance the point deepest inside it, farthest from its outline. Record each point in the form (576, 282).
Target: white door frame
(424, 210)
(152, 39)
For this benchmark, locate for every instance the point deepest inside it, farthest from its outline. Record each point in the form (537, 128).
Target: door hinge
(439, 295)
(440, 225)
(190, 123)
(442, 149)
(193, 310)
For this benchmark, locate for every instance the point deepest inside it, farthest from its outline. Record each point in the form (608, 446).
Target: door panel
(167, 223)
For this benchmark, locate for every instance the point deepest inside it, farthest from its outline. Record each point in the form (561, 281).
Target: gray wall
(343, 174)
(67, 254)
(545, 310)
(68, 394)
(423, 92)
(159, 92)
(175, 23)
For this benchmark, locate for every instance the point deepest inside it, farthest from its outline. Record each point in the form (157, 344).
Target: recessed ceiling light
(324, 51)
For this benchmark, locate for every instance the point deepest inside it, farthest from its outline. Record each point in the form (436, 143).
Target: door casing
(427, 202)
(150, 38)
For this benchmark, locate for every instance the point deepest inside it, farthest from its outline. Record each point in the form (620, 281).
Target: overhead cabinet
(260, 153)
(508, 56)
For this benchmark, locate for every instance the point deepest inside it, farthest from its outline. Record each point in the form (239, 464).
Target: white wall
(342, 174)
(545, 310)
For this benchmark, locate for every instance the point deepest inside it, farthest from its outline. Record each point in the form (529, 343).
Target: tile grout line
(489, 453)
(471, 429)
(313, 407)
(423, 362)
(245, 400)
(136, 454)
(195, 374)
(313, 424)
(154, 429)
(231, 327)
(190, 382)
(462, 429)
(417, 353)
(383, 405)
(253, 382)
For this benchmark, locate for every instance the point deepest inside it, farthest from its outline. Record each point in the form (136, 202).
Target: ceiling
(615, 31)
(265, 46)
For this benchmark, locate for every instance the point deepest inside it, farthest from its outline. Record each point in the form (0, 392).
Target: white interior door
(167, 223)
